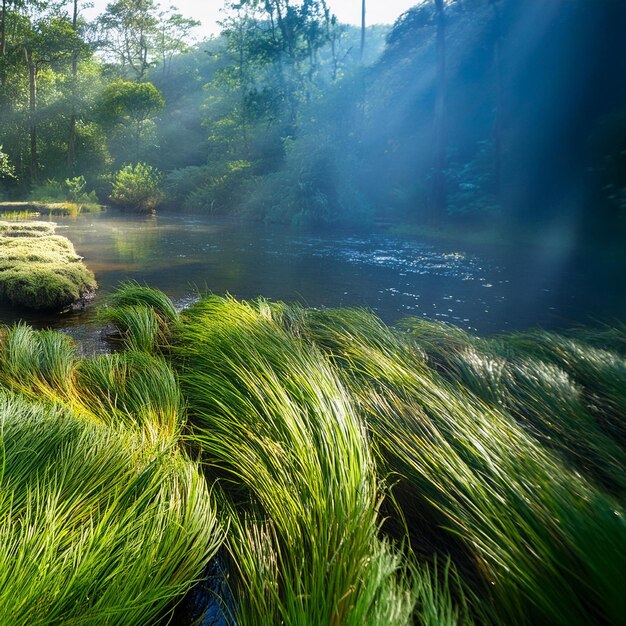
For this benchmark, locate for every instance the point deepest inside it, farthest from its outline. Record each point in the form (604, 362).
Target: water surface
(482, 289)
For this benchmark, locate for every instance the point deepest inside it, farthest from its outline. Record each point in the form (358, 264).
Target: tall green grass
(95, 526)
(132, 388)
(366, 474)
(545, 543)
(275, 423)
(540, 393)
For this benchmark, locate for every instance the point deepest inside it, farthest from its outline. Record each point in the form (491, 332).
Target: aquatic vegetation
(141, 315)
(538, 536)
(361, 473)
(97, 528)
(271, 416)
(40, 270)
(131, 293)
(19, 215)
(137, 325)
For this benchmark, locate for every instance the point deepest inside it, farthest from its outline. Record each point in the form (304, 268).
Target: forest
(479, 112)
(309, 323)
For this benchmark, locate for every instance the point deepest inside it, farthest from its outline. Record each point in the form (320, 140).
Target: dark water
(481, 289)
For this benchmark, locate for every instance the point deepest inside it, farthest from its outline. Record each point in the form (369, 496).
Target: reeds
(96, 528)
(535, 535)
(274, 421)
(366, 474)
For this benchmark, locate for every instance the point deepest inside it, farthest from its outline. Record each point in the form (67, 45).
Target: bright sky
(348, 11)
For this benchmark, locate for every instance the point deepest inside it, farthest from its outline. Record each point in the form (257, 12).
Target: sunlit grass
(96, 527)
(365, 474)
(542, 541)
(275, 422)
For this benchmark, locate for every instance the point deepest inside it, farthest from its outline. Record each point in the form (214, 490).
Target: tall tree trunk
(362, 30)
(32, 108)
(497, 126)
(3, 29)
(331, 37)
(438, 197)
(71, 141)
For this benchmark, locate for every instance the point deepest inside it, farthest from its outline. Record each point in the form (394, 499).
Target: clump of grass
(142, 316)
(130, 388)
(138, 325)
(131, 293)
(599, 373)
(96, 528)
(38, 360)
(19, 215)
(39, 270)
(538, 537)
(273, 419)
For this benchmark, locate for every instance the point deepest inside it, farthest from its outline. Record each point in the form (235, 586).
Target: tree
(362, 29)
(130, 104)
(128, 31)
(438, 186)
(174, 34)
(50, 41)
(497, 126)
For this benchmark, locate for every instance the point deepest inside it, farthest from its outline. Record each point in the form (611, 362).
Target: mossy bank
(40, 270)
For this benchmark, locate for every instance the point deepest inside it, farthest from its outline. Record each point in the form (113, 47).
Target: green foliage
(216, 190)
(70, 194)
(40, 270)
(96, 526)
(6, 169)
(137, 187)
(130, 101)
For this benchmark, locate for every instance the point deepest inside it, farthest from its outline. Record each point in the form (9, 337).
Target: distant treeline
(471, 111)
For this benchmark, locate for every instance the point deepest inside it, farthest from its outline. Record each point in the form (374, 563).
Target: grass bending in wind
(274, 421)
(142, 316)
(541, 393)
(95, 527)
(104, 519)
(546, 544)
(499, 463)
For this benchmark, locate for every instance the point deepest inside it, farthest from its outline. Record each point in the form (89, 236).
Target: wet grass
(361, 474)
(65, 207)
(40, 270)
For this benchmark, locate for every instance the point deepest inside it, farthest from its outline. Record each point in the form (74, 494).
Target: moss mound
(40, 270)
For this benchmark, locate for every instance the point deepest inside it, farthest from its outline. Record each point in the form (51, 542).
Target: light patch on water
(407, 257)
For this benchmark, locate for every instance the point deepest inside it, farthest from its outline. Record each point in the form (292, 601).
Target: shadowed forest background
(493, 114)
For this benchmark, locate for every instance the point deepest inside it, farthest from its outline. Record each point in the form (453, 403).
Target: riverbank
(40, 270)
(352, 472)
(31, 208)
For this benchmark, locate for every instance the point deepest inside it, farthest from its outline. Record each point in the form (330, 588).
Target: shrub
(6, 169)
(68, 196)
(138, 187)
